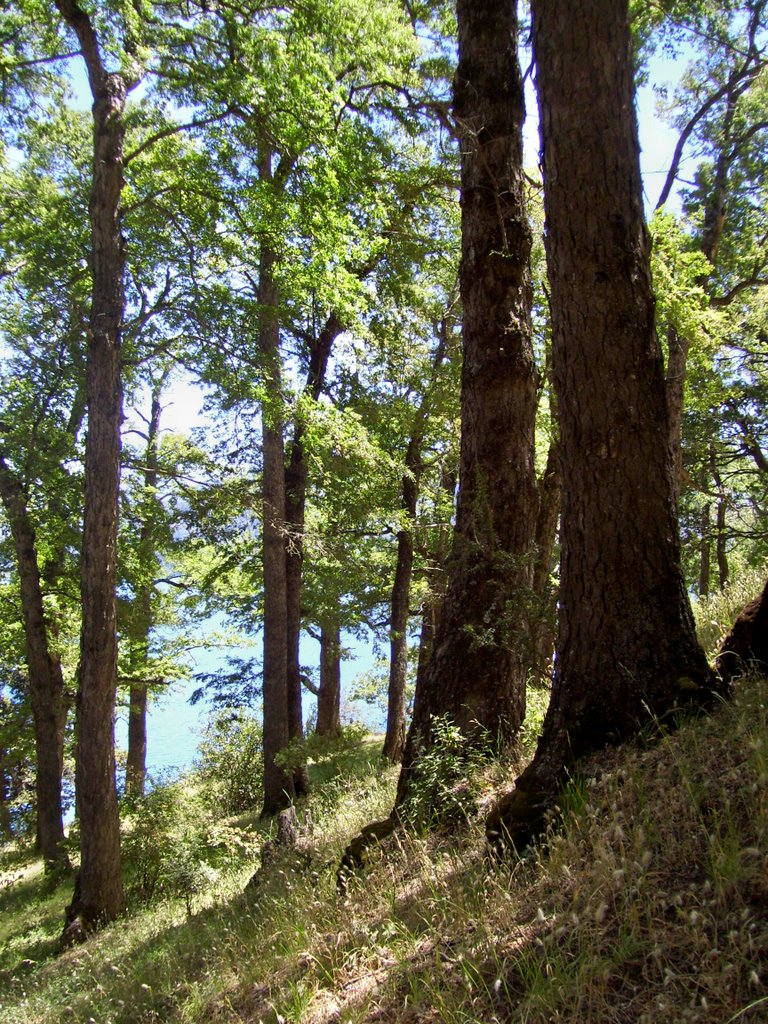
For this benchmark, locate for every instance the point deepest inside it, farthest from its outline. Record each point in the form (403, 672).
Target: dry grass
(649, 905)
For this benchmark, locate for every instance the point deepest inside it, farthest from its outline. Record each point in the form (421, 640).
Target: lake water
(175, 727)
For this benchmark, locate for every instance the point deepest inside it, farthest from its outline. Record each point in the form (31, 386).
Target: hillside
(649, 905)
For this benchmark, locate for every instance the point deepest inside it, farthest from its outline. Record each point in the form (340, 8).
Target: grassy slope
(651, 905)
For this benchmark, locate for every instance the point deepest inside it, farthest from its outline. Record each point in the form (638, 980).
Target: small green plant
(716, 613)
(230, 762)
(536, 704)
(444, 782)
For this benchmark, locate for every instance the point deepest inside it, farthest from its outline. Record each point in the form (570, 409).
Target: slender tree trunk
(436, 577)
(329, 693)
(136, 763)
(295, 505)
(677, 362)
(627, 648)
(394, 740)
(723, 573)
(476, 675)
(721, 534)
(705, 554)
(101, 889)
(46, 683)
(278, 786)
(400, 602)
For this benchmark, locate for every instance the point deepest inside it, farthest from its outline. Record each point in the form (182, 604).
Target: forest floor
(648, 904)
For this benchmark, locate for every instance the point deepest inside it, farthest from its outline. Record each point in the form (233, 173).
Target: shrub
(444, 785)
(342, 749)
(163, 845)
(230, 762)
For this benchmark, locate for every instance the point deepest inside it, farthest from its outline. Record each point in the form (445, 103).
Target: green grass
(649, 906)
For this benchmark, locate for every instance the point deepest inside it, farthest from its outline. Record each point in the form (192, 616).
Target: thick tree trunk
(329, 693)
(101, 888)
(295, 504)
(100, 878)
(476, 675)
(627, 648)
(46, 683)
(278, 786)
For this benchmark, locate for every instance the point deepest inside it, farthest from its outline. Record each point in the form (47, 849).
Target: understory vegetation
(646, 904)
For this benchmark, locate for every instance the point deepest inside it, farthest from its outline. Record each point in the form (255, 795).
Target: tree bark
(136, 760)
(476, 675)
(278, 786)
(627, 649)
(329, 693)
(46, 682)
(101, 889)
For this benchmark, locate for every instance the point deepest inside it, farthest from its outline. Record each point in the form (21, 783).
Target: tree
(477, 671)
(626, 647)
(43, 389)
(719, 107)
(101, 890)
(400, 602)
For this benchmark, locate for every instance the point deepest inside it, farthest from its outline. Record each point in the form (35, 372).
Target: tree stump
(287, 828)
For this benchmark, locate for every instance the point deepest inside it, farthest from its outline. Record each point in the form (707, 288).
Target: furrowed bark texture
(626, 646)
(278, 786)
(101, 885)
(477, 670)
(101, 890)
(626, 633)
